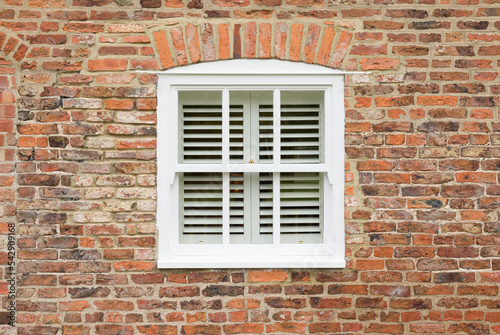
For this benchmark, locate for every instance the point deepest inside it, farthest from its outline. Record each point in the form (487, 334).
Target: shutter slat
(202, 206)
(291, 230)
(300, 204)
(312, 143)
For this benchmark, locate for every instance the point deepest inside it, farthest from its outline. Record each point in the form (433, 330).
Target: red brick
(201, 330)
(427, 328)
(280, 41)
(107, 65)
(74, 305)
(223, 41)
(193, 43)
(84, 27)
(311, 42)
(394, 101)
(119, 104)
(265, 34)
(208, 42)
(360, 12)
(341, 49)
(163, 48)
(288, 327)
(134, 266)
(437, 100)
(325, 46)
(362, 264)
(157, 329)
(267, 276)
(386, 25)
(178, 42)
(296, 41)
(322, 327)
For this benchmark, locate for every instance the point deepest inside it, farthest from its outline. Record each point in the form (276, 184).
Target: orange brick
(193, 42)
(163, 49)
(265, 30)
(267, 276)
(296, 41)
(326, 46)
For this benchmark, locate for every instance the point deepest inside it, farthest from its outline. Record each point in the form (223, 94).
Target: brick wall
(77, 170)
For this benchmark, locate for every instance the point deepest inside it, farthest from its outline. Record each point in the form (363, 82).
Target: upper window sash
(277, 165)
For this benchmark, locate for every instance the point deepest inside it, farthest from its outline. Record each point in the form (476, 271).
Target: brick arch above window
(11, 46)
(190, 43)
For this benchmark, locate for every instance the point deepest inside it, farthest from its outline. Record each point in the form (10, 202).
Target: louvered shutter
(301, 201)
(301, 192)
(251, 194)
(301, 207)
(201, 192)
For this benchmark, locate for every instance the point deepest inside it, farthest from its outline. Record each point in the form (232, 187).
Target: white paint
(251, 75)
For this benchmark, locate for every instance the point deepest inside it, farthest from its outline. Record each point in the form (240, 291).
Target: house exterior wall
(77, 168)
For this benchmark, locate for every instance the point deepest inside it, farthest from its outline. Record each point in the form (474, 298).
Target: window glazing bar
(225, 126)
(225, 162)
(276, 208)
(276, 163)
(225, 208)
(276, 127)
(252, 168)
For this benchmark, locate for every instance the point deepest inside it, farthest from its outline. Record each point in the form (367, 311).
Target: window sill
(261, 262)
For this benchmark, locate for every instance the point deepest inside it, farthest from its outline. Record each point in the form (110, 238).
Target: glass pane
(265, 216)
(201, 207)
(266, 132)
(200, 126)
(237, 194)
(237, 127)
(251, 127)
(302, 119)
(301, 198)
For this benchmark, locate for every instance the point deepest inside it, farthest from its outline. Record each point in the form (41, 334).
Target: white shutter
(201, 212)
(300, 134)
(201, 204)
(201, 192)
(301, 193)
(251, 194)
(266, 135)
(301, 204)
(265, 208)
(301, 207)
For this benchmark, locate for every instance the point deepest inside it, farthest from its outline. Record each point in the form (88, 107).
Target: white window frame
(252, 75)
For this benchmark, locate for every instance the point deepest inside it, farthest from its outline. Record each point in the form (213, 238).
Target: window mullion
(276, 162)
(225, 208)
(276, 208)
(277, 127)
(225, 163)
(254, 156)
(225, 127)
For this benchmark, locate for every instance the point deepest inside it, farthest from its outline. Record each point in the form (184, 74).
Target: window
(251, 166)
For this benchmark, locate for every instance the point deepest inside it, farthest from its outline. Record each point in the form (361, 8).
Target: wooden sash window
(250, 166)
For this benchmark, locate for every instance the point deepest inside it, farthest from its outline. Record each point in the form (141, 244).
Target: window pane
(251, 141)
(266, 132)
(265, 216)
(301, 207)
(302, 127)
(201, 212)
(251, 127)
(237, 195)
(200, 115)
(201, 207)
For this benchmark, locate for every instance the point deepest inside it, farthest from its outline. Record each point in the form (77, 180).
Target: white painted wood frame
(250, 75)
